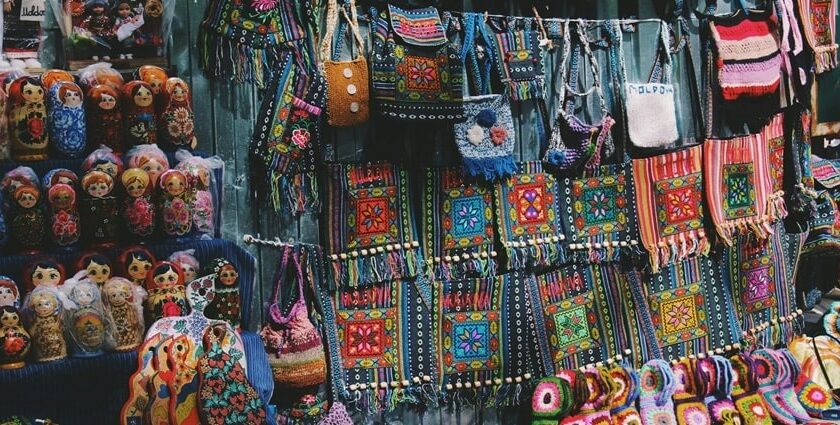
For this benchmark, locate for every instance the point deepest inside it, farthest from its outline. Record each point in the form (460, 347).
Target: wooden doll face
(62, 197)
(45, 275)
(71, 98)
(138, 268)
(228, 275)
(32, 93)
(97, 9)
(204, 176)
(98, 273)
(98, 189)
(118, 292)
(27, 199)
(136, 188)
(153, 168)
(175, 184)
(124, 10)
(44, 303)
(143, 97)
(189, 272)
(179, 93)
(84, 294)
(166, 279)
(107, 102)
(9, 319)
(8, 294)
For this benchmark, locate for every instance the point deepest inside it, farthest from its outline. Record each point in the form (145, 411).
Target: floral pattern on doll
(167, 295)
(139, 114)
(44, 307)
(178, 117)
(104, 117)
(200, 178)
(27, 222)
(138, 208)
(27, 119)
(14, 340)
(226, 305)
(68, 131)
(123, 300)
(65, 229)
(176, 214)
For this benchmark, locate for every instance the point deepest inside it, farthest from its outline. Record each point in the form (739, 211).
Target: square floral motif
(678, 204)
(529, 204)
(599, 205)
(739, 190)
(468, 216)
(471, 341)
(367, 337)
(679, 314)
(572, 325)
(421, 74)
(372, 219)
(777, 162)
(757, 277)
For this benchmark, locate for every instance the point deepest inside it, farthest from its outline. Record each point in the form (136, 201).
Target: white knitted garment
(651, 118)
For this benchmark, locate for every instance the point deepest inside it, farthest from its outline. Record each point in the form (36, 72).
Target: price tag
(32, 10)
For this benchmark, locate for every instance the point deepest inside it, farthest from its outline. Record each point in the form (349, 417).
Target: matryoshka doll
(226, 305)
(9, 292)
(123, 301)
(5, 149)
(139, 114)
(60, 176)
(27, 224)
(167, 294)
(189, 264)
(99, 209)
(53, 76)
(84, 318)
(101, 73)
(43, 272)
(156, 78)
(138, 211)
(14, 339)
(104, 159)
(44, 308)
(174, 210)
(104, 117)
(177, 120)
(97, 266)
(27, 119)
(150, 159)
(68, 129)
(199, 172)
(64, 215)
(135, 263)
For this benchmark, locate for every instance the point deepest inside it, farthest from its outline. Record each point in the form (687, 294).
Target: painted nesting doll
(84, 318)
(226, 305)
(68, 129)
(174, 210)
(27, 119)
(52, 76)
(9, 293)
(138, 210)
(97, 266)
(45, 324)
(150, 159)
(27, 221)
(123, 301)
(199, 197)
(104, 117)
(14, 339)
(177, 120)
(104, 159)
(167, 294)
(155, 77)
(135, 263)
(139, 114)
(65, 228)
(5, 149)
(189, 264)
(60, 176)
(43, 272)
(99, 209)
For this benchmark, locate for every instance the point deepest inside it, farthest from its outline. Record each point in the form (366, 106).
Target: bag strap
(684, 44)
(569, 86)
(280, 275)
(474, 27)
(820, 360)
(332, 25)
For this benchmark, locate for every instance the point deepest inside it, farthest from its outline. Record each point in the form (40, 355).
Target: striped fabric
(259, 372)
(739, 187)
(749, 62)
(669, 199)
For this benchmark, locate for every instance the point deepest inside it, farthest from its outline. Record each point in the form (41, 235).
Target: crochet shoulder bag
(347, 81)
(417, 68)
(293, 344)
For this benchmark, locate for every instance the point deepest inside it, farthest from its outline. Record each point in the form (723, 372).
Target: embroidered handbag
(820, 31)
(294, 347)
(519, 57)
(486, 138)
(347, 81)
(417, 69)
(652, 99)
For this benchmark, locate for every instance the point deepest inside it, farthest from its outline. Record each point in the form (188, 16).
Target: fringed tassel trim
(529, 89)
(776, 208)
(761, 227)
(489, 393)
(462, 265)
(602, 252)
(375, 397)
(379, 264)
(536, 252)
(227, 58)
(676, 248)
(490, 169)
(825, 58)
(297, 193)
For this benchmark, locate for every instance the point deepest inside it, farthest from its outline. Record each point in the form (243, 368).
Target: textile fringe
(373, 265)
(825, 58)
(759, 226)
(490, 168)
(462, 266)
(224, 57)
(603, 252)
(524, 90)
(297, 192)
(776, 206)
(535, 253)
(375, 400)
(676, 248)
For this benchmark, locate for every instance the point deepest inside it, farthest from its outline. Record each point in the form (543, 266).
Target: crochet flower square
(366, 337)
(471, 341)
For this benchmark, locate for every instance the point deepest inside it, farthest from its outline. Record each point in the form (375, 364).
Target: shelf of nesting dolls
(71, 384)
(44, 166)
(122, 65)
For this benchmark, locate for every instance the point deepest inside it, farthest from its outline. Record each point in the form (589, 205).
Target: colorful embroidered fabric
(775, 384)
(739, 185)
(487, 137)
(718, 377)
(826, 171)
(371, 234)
(380, 342)
(584, 315)
(519, 58)
(750, 405)
(527, 210)
(689, 394)
(819, 28)
(459, 236)
(824, 235)
(690, 308)
(417, 70)
(657, 384)
(626, 389)
(242, 40)
(601, 209)
(748, 59)
(552, 400)
(487, 339)
(669, 198)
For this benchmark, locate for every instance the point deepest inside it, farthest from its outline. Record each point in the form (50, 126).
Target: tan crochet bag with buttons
(347, 81)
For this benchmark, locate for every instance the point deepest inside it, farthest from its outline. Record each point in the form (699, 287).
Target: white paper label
(32, 10)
